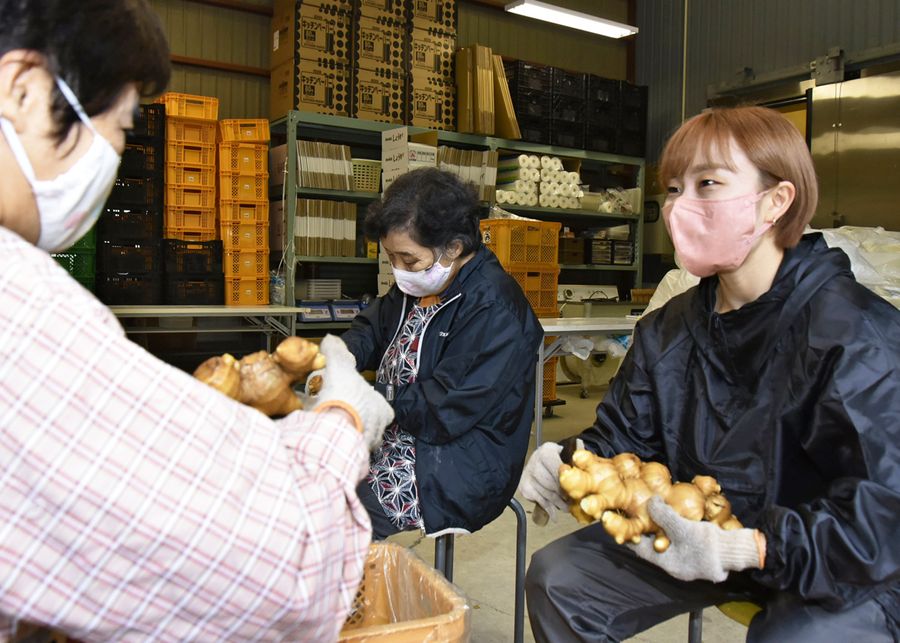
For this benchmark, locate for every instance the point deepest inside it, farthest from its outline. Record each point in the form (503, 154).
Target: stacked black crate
(632, 127)
(129, 231)
(603, 106)
(569, 109)
(531, 89)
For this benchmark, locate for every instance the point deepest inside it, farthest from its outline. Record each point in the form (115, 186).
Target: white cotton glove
(698, 550)
(540, 481)
(344, 388)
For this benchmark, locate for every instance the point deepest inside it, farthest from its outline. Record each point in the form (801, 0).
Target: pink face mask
(713, 236)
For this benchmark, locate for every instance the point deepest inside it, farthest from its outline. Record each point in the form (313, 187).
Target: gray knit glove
(540, 481)
(698, 550)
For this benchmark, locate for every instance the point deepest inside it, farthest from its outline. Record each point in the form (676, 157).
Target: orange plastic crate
(195, 154)
(200, 176)
(244, 236)
(246, 291)
(522, 242)
(189, 234)
(189, 196)
(246, 263)
(191, 218)
(549, 380)
(538, 282)
(190, 130)
(244, 158)
(239, 212)
(251, 130)
(190, 105)
(243, 187)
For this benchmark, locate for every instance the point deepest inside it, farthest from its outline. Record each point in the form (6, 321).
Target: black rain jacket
(472, 404)
(793, 403)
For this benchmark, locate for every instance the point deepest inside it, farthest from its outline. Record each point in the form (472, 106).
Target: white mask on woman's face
(423, 283)
(69, 204)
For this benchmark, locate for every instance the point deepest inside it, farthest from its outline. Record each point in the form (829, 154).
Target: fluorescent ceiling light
(569, 18)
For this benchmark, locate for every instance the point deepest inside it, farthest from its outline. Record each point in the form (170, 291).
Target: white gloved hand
(540, 480)
(343, 387)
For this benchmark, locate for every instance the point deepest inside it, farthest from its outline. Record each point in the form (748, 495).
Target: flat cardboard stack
(324, 228)
(484, 101)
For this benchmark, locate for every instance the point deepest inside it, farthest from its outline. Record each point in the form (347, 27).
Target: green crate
(87, 242)
(81, 264)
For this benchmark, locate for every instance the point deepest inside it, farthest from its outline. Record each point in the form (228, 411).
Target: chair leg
(443, 555)
(695, 627)
(521, 534)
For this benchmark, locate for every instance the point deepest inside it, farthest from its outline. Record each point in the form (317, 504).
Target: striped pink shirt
(137, 503)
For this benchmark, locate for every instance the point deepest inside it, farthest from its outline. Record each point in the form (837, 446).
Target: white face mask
(69, 205)
(426, 282)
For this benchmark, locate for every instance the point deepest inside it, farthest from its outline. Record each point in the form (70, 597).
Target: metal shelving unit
(367, 134)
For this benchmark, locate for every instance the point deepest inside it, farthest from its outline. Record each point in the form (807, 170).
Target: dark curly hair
(434, 207)
(96, 46)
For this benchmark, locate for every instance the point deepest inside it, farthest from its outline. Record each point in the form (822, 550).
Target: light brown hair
(771, 143)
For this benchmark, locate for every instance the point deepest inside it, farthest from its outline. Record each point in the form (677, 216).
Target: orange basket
(192, 176)
(243, 187)
(190, 197)
(522, 242)
(246, 263)
(244, 236)
(243, 158)
(246, 291)
(191, 218)
(239, 212)
(195, 154)
(189, 234)
(190, 105)
(190, 130)
(250, 130)
(550, 379)
(538, 282)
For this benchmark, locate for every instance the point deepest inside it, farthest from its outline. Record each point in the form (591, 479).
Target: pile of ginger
(615, 491)
(266, 381)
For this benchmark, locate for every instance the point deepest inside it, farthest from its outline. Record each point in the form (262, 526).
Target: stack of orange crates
(528, 251)
(244, 210)
(190, 199)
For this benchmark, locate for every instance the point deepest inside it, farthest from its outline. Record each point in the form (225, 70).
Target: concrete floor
(484, 563)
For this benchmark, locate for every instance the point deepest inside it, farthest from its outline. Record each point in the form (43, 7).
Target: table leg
(539, 394)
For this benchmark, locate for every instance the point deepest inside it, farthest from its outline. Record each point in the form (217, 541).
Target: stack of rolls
(559, 188)
(517, 179)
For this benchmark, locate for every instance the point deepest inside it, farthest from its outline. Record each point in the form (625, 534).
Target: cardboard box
(432, 52)
(431, 101)
(277, 161)
(402, 152)
(321, 28)
(379, 96)
(277, 226)
(434, 14)
(384, 284)
(310, 86)
(380, 44)
(395, 10)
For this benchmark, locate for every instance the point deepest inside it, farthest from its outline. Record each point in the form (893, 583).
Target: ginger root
(615, 491)
(265, 381)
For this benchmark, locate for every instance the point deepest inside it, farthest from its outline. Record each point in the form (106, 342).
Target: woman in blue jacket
(454, 345)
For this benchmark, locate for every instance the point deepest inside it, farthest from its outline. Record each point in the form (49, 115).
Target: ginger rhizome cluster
(615, 491)
(266, 381)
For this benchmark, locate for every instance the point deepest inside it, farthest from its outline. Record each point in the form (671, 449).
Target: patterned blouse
(392, 467)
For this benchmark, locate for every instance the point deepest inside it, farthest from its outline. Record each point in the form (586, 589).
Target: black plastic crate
(192, 258)
(533, 104)
(146, 192)
(523, 76)
(142, 159)
(565, 134)
(633, 97)
(571, 110)
(604, 91)
(117, 290)
(633, 120)
(598, 139)
(149, 123)
(632, 143)
(602, 115)
(130, 225)
(195, 291)
(567, 83)
(116, 258)
(535, 130)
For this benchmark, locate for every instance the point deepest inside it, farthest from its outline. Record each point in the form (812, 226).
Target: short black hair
(96, 46)
(434, 207)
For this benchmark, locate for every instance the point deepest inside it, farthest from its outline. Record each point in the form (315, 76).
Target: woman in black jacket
(779, 375)
(454, 346)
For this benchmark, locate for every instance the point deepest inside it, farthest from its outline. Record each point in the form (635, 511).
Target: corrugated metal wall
(224, 35)
(725, 36)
